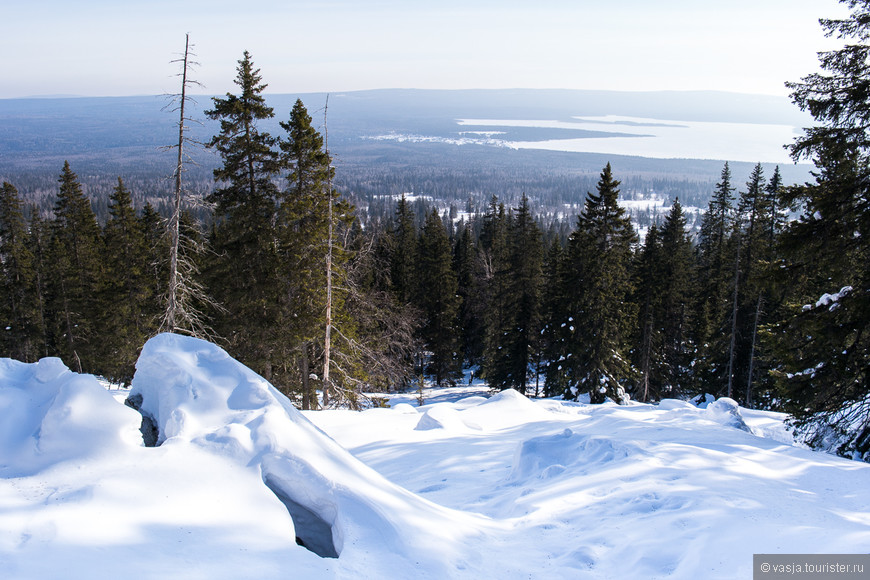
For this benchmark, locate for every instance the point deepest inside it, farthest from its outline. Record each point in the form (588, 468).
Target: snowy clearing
(466, 486)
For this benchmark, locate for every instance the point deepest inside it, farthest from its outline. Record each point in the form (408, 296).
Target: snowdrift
(197, 395)
(240, 477)
(242, 485)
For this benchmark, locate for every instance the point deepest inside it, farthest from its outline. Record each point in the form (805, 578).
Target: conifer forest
(766, 302)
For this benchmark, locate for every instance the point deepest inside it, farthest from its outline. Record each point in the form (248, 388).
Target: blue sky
(118, 47)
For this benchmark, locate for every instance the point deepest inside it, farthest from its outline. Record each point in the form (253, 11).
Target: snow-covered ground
(466, 486)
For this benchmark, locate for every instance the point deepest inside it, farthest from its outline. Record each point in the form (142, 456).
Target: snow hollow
(242, 485)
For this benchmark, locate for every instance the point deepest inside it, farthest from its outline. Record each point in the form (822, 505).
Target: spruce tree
(648, 291)
(438, 302)
(824, 342)
(495, 254)
(131, 313)
(554, 319)
(19, 334)
(675, 301)
(157, 247)
(715, 282)
(527, 261)
(759, 225)
(76, 257)
(755, 213)
(243, 275)
(309, 211)
(39, 242)
(515, 334)
(403, 246)
(468, 265)
(601, 315)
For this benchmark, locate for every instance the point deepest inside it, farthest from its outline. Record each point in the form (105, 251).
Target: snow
(657, 138)
(832, 299)
(465, 486)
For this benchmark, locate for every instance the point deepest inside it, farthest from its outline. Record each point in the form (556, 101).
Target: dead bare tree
(327, 342)
(184, 291)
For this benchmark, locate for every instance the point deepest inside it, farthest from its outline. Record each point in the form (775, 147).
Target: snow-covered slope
(499, 487)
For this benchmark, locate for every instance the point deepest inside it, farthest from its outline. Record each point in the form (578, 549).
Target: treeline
(770, 312)
(469, 188)
(598, 312)
(71, 289)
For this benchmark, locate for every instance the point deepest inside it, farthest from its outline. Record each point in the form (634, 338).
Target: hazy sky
(124, 47)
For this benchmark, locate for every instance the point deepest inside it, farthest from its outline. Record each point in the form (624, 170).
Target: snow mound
(472, 401)
(549, 456)
(198, 395)
(444, 416)
(49, 414)
(674, 404)
(726, 412)
(404, 408)
(504, 409)
(510, 398)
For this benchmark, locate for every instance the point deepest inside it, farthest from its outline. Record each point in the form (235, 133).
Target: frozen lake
(656, 138)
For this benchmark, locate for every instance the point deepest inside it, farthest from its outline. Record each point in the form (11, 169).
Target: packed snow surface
(466, 486)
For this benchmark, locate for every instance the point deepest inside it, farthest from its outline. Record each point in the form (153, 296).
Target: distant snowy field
(466, 486)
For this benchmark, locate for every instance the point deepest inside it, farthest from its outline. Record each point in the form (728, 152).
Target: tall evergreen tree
(759, 222)
(554, 317)
(468, 265)
(515, 333)
(601, 315)
(676, 279)
(132, 313)
(495, 256)
(157, 248)
(770, 306)
(664, 275)
(243, 275)
(19, 328)
(755, 212)
(387, 329)
(39, 242)
(403, 246)
(715, 282)
(648, 286)
(438, 301)
(76, 256)
(309, 212)
(825, 343)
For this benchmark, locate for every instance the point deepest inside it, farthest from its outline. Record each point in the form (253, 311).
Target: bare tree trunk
(646, 355)
(327, 338)
(306, 381)
(70, 337)
(184, 291)
(175, 222)
(752, 352)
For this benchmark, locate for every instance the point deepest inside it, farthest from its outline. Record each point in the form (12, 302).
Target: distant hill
(385, 141)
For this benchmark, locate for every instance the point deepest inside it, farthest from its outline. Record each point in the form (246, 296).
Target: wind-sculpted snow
(196, 393)
(47, 415)
(484, 488)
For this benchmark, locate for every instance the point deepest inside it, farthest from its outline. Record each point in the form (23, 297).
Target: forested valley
(765, 299)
